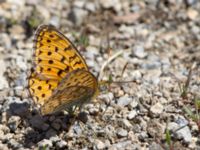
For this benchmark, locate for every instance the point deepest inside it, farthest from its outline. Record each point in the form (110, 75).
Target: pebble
(14, 122)
(99, 144)
(157, 108)
(121, 132)
(132, 114)
(4, 146)
(77, 16)
(45, 144)
(18, 107)
(50, 133)
(124, 101)
(90, 6)
(3, 81)
(155, 146)
(184, 134)
(139, 51)
(61, 144)
(115, 4)
(122, 145)
(192, 14)
(38, 122)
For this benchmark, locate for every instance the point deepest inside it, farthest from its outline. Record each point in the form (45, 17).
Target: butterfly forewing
(54, 51)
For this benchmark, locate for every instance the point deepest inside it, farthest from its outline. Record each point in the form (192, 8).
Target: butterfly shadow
(38, 127)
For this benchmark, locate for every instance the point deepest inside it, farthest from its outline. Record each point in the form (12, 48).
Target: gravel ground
(159, 45)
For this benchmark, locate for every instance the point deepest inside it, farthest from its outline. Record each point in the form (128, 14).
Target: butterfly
(59, 78)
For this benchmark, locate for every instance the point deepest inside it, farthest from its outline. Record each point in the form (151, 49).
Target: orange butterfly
(60, 78)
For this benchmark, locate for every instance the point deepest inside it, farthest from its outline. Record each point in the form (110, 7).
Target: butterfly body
(60, 78)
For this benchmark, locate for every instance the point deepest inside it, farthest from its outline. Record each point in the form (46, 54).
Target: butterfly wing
(78, 87)
(54, 57)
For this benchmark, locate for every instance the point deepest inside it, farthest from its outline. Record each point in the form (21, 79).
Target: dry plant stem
(107, 62)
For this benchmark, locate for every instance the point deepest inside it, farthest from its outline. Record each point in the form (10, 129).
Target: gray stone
(90, 6)
(55, 20)
(155, 146)
(185, 134)
(122, 145)
(61, 144)
(7, 137)
(18, 107)
(45, 144)
(14, 144)
(180, 130)
(56, 125)
(14, 122)
(99, 144)
(55, 139)
(121, 132)
(4, 146)
(3, 81)
(124, 101)
(79, 3)
(139, 51)
(132, 114)
(157, 108)
(77, 16)
(115, 4)
(50, 133)
(4, 128)
(38, 122)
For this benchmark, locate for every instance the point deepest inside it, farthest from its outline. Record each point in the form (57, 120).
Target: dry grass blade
(105, 64)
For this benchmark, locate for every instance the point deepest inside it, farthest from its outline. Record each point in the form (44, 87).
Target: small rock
(77, 16)
(4, 128)
(55, 20)
(61, 144)
(121, 132)
(157, 108)
(4, 146)
(56, 125)
(14, 144)
(136, 75)
(38, 122)
(126, 123)
(124, 101)
(123, 145)
(90, 6)
(18, 107)
(143, 136)
(99, 144)
(192, 14)
(45, 144)
(132, 114)
(7, 137)
(55, 139)
(155, 146)
(50, 133)
(13, 122)
(139, 51)
(3, 81)
(79, 3)
(181, 131)
(185, 134)
(111, 4)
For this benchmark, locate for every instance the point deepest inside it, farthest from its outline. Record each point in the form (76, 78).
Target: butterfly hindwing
(77, 88)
